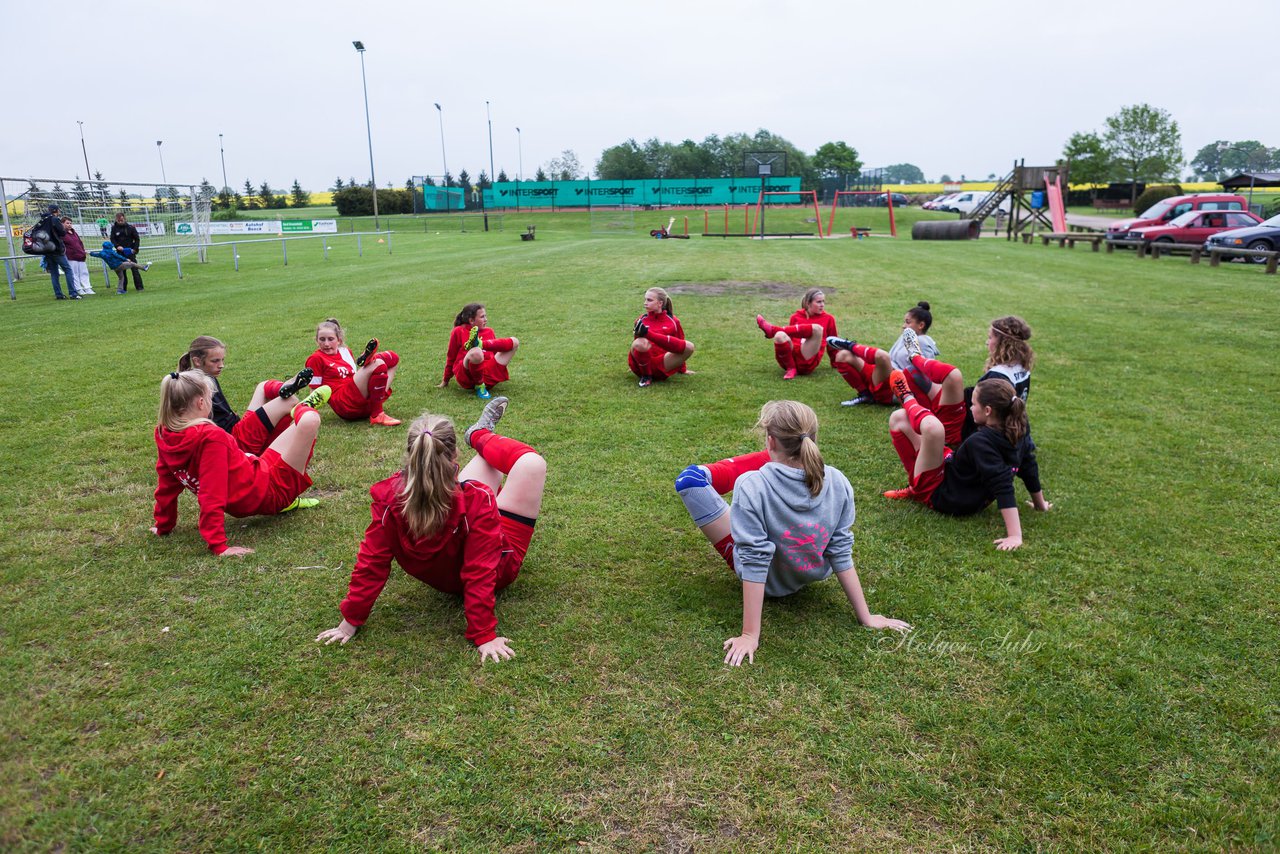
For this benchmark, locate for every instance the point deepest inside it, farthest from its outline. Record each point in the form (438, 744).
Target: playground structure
(1036, 194)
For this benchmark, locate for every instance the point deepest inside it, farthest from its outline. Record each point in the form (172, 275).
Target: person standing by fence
(125, 236)
(57, 260)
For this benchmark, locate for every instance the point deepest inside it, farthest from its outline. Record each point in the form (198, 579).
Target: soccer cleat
(482, 392)
(837, 343)
(369, 350)
(766, 327)
(898, 382)
(898, 494)
(859, 400)
(641, 329)
(473, 340)
(645, 382)
(301, 504)
(789, 374)
(315, 400)
(489, 418)
(911, 342)
(300, 381)
(146, 267)
(74, 296)
(382, 419)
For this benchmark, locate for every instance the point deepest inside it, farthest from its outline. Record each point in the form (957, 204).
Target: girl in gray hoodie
(790, 522)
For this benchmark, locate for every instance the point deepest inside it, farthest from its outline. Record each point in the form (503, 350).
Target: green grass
(1132, 706)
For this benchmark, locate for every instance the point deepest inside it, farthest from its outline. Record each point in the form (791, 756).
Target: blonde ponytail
(178, 394)
(794, 427)
(429, 476)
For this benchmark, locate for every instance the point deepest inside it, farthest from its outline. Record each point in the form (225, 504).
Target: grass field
(1112, 685)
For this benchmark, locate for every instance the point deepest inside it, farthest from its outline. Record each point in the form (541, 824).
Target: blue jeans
(54, 263)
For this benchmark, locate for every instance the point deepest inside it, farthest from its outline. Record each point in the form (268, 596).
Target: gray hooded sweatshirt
(785, 537)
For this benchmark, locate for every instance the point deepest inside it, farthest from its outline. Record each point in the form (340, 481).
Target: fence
(12, 262)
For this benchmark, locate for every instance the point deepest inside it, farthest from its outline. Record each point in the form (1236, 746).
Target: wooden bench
(1217, 253)
(529, 232)
(1195, 250)
(1070, 239)
(859, 231)
(1139, 245)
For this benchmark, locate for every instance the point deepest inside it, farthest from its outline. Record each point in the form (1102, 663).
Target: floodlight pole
(163, 177)
(489, 117)
(444, 158)
(368, 129)
(520, 172)
(88, 176)
(223, 155)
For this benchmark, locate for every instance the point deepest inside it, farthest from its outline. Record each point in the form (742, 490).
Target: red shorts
(276, 485)
(349, 403)
(806, 366)
(490, 372)
(516, 536)
(882, 393)
(923, 487)
(649, 364)
(253, 436)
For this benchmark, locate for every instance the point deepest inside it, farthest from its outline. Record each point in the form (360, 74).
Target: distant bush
(358, 201)
(1151, 195)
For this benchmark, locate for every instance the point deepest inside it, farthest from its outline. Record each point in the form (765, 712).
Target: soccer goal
(790, 199)
(862, 200)
(613, 219)
(172, 219)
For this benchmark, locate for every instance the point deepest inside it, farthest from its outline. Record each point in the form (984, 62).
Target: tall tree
(837, 159)
(267, 195)
(903, 173)
(299, 197)
(623, 162)
(464, 180)
(1145, 144)
(338, 184)
(565, 167)
(502, 176)
(1090, 159)
(540, 175)
(250, 202)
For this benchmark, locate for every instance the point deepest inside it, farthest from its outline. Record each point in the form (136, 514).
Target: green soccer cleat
(301, 504)
(315, 400)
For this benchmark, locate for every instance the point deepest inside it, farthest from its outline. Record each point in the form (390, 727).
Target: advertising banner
(651, 192)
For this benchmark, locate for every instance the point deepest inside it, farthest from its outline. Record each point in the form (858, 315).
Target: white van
(967, 202)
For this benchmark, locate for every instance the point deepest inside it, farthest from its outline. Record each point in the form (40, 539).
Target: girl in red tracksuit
(798, 346)
(195, 454)
(463, 532)
(659, 348)
(360, 384)
(981, 470)
(477, 358)
(266, 418)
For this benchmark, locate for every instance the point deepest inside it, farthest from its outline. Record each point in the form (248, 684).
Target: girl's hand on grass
(441, 384)
(496, 649)
(1043, 506)
(1008, 544)
(156, 531)
(236, 551)
(878, 621)
(743, 646)
(342, 633)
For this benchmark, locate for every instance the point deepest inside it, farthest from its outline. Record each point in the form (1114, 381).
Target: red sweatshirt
(664, 324)
(458, 347)
(206, 460)
(826, 321)
(333, 371)
(462, 557)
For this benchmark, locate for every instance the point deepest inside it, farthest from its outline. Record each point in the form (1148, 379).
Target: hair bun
(923, 304)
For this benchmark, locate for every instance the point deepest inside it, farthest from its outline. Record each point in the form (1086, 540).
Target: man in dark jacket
(125, 236)
(57, 260)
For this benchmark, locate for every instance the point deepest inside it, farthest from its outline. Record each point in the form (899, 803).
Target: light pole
(520, 171)
(222, 154)
(490, 119)
(368, 129)
(88, 176)
(1247, 154)
(163, 177)
(444, 159)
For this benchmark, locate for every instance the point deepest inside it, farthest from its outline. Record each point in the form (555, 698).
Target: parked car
(1194, 226)
(899, 200)
(1265, 236)
(1165, 210)
(967, 202)
(936, 204)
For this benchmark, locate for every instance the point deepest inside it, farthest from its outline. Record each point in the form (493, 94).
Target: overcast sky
(955, 87)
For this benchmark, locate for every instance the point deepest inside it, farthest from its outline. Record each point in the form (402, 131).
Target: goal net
(172, 219)
(787, 212)
(613, 219)
(430, 195)
(871, 208)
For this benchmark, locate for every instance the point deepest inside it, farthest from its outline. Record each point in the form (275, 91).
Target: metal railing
(13, 263)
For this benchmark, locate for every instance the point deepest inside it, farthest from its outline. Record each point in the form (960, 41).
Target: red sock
(500, 452)
(933, 369)
(300, 410)
(725, 473)
(796, 330)
(377, 390)
(499, 345)
(865, 352)
(906, 452)
(916, 412)
(670, 343)
(785, 355)
(852, 376)
(725, 549)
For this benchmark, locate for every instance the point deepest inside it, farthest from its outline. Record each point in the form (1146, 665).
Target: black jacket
(52, 223)
(222, 414)
(125, 235)
(982, 470)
